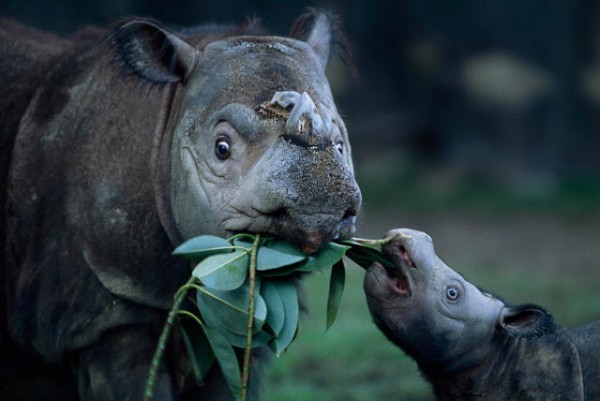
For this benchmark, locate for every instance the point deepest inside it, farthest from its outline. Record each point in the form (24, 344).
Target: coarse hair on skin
(142, 54)
(302, 28)
(121, 54)
(129, 60)
(250, 26)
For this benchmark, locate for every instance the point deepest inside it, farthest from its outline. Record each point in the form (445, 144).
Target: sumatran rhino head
(468, 343)
(426, 308)
(257, 140)
(437, 316)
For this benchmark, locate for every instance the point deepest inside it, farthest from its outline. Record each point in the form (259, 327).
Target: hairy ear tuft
(323, 32)
(152, 52)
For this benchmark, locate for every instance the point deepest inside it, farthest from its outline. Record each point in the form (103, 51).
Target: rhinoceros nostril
(349, 214)
(345, 227)
(405, 256)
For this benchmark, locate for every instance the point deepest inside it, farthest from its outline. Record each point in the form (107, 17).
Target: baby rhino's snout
(410, 248)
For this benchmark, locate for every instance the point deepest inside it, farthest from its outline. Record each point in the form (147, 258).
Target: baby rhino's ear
(526, 321)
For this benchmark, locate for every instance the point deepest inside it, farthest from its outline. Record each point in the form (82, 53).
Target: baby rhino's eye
(452, 293)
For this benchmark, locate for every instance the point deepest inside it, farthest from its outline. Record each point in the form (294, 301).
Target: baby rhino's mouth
(400, 284)
(381, 280)
(399, 278)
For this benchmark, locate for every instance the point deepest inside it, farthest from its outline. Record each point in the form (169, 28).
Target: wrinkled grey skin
(298, 170)
(469, 344)
(116, 147)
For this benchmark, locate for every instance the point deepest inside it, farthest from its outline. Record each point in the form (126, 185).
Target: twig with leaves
(242, 299)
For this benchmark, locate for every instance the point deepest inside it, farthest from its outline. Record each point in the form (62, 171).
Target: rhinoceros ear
(526, 321)
(152, 52)
(321, 30)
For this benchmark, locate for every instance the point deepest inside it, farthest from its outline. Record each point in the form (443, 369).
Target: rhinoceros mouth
(395, 280)
(400, 284)
(401, 278)
(310, 233)
(398, 281)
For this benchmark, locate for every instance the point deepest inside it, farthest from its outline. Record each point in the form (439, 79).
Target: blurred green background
(474, 120)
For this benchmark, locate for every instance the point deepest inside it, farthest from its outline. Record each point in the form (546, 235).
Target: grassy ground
(523, 254)
(352, 361)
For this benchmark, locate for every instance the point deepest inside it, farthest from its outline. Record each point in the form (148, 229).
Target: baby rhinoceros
(469, 344)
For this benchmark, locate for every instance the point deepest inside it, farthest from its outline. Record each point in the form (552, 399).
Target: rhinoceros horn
(305, 126)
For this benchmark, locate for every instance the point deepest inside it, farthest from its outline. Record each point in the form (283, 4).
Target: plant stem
(162, 341)
(248, 350)
(240, 235)
(382, 241)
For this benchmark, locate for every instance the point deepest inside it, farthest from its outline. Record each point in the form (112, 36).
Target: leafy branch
(248, 350)
(243, 300)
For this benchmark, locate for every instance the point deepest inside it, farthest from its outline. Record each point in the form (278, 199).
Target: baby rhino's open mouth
(395, 278)
(399, 282)
(399, 277)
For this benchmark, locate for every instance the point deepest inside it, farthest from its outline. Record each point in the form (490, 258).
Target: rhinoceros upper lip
(405, 257)
(310, 241)
(272, 226)
(399, 277)
(280, 223)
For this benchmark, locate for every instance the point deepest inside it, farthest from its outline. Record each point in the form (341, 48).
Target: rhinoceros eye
(340, 147)
(452, 293)
(222, 148)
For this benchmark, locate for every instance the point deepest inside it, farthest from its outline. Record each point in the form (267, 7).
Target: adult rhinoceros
(118, 145)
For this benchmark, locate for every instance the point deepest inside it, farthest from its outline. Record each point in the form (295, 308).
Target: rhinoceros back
(25, 56)
(79, 192)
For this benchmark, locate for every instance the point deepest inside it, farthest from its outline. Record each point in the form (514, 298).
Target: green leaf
(202, 246)
(275, 311)
(336, 289)
(269, 258)
(285, 247)
(287, 292)
(208, 314)
(258, 339)
(354, 242)
(223, 272)
(243, 243)
(198, 349)
(281, 272)
(229, 309)
(225, 355)
(332, 253)
(364, 256)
